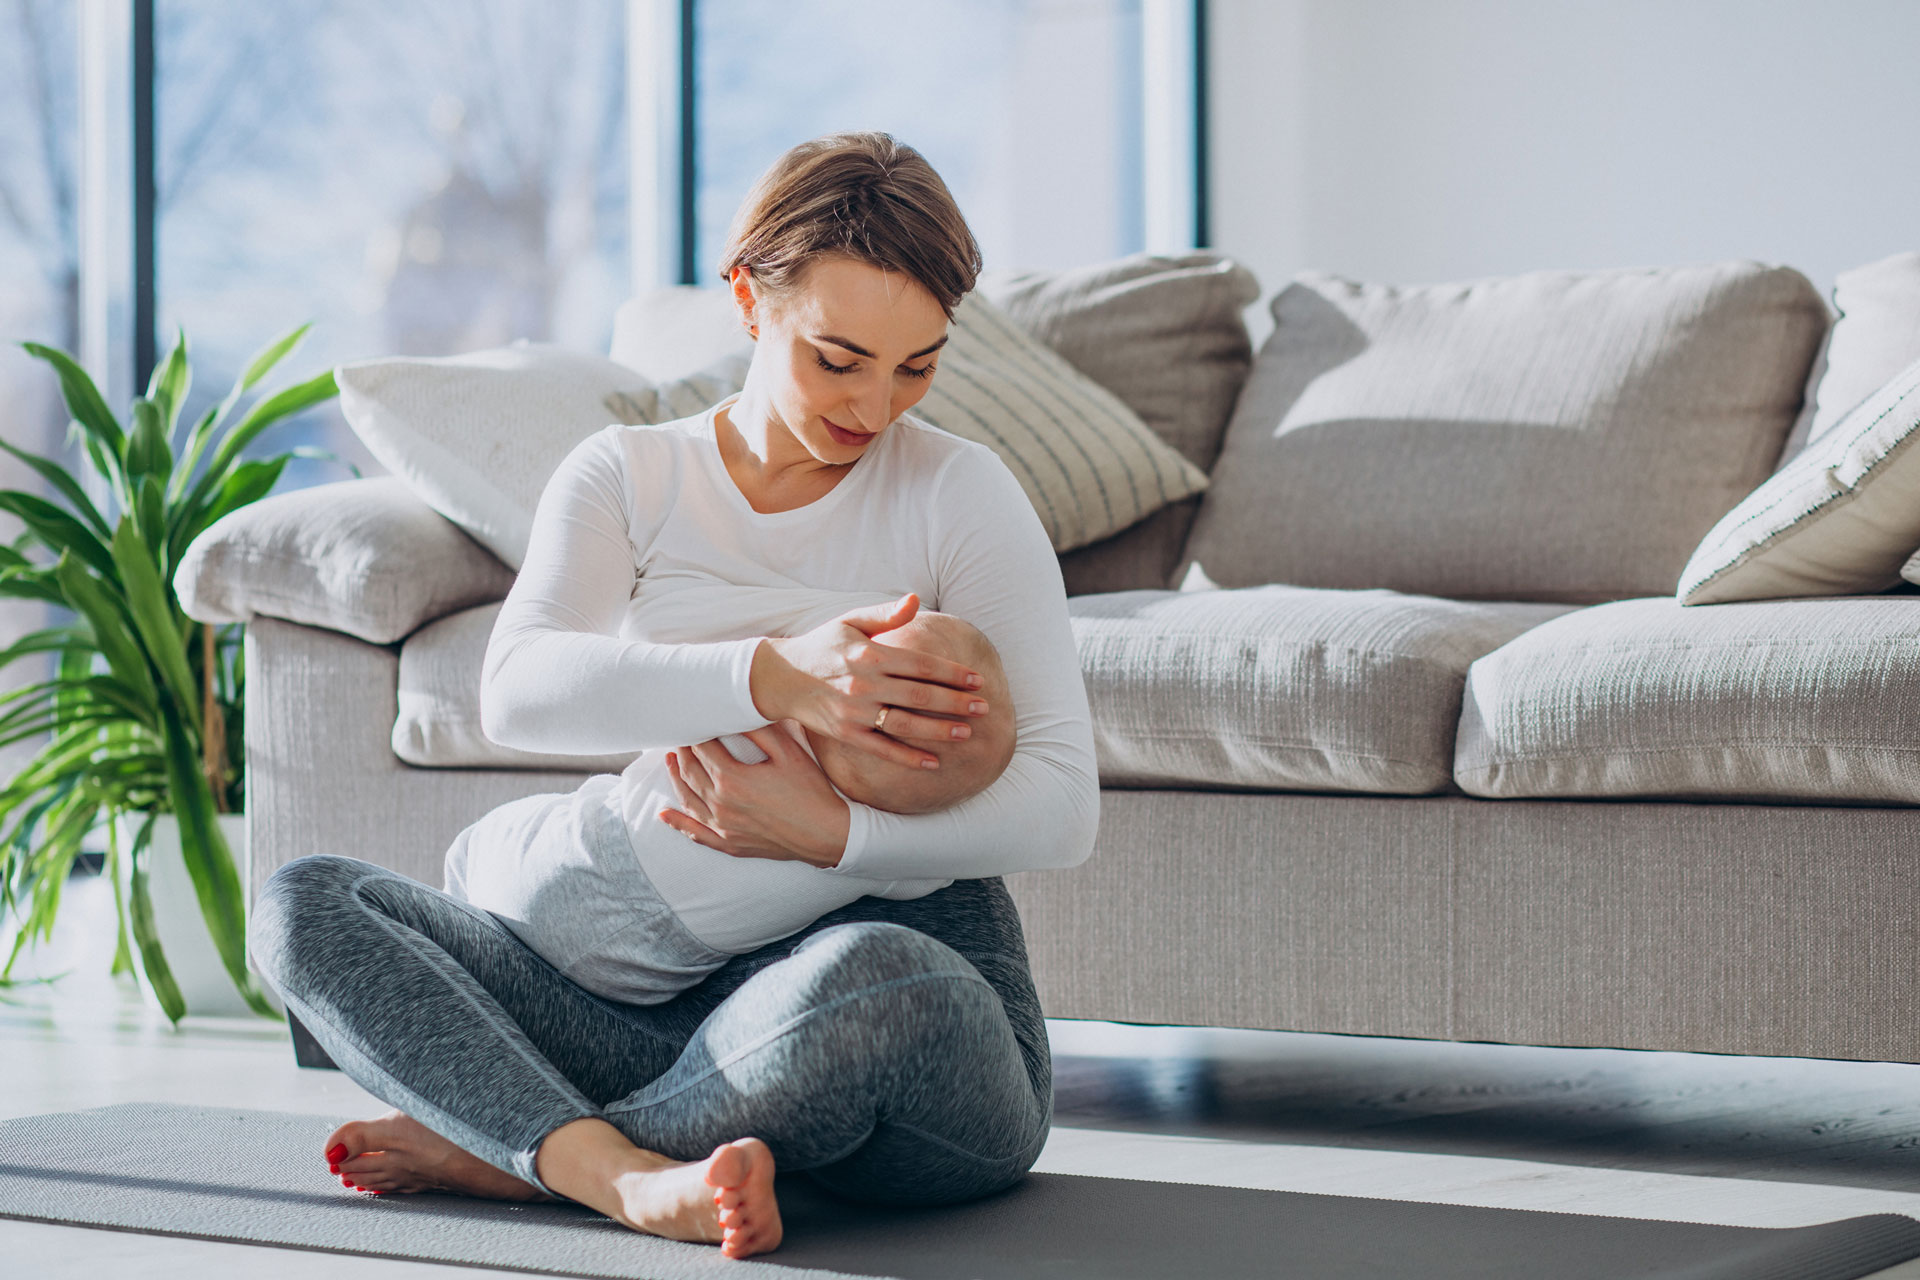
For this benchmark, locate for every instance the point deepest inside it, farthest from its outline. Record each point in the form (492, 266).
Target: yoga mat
(255, 1176)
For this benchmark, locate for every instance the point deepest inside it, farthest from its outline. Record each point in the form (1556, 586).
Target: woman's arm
(557, 677)
(996, 569)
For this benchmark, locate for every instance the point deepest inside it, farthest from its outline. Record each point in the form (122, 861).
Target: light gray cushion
(1166, 334)
(1553, 436)
(1283, 688)
(1811, 700)
(364, 557)
(1876, 335)
(438, 724)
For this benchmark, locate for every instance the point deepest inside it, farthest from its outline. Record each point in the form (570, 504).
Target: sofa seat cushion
(438, 724)
(1283, 688)
(1276, 688)
(1809, 700)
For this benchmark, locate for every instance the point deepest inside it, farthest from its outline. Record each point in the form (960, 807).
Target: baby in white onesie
(635, 911)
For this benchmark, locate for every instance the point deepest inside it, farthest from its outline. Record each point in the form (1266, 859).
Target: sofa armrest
(363, 557)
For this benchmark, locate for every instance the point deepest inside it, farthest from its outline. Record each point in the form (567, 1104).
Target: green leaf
(57, 476)
(83, 399)
(171, 379)
(150, 510)
(153, 614)
(88, 597)
(148, 453)
(107, 463)
(257, 368)
(122, 953)
(153, 958)
(56, 529)
(283, 403)
(15, 585)
(267, 357)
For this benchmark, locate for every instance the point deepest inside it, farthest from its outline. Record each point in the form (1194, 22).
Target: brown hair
(866, 196)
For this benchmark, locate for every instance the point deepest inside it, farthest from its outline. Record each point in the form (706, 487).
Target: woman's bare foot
(395, 1152)
(725, 1199)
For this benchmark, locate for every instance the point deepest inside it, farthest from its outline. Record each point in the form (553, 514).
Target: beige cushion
(1840, 519)
(438, 724)
(364, 557)
(1086, 461)
(1876, 335)
(1553, 436)
(1283, 688)
(1165, 334)
(477, 435)
(1810, 700)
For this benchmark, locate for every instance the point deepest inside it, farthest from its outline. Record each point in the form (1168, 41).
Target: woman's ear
(741, 281)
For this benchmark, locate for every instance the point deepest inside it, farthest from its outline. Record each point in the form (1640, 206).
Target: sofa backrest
(1557, 436)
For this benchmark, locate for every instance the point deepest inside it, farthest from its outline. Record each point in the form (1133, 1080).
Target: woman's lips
(844, 436)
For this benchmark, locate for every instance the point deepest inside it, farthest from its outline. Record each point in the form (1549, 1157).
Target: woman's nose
(870, 407)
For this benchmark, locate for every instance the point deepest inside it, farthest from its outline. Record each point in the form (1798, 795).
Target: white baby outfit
(648, 583)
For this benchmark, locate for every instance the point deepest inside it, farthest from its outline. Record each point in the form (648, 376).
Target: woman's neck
(769, 465)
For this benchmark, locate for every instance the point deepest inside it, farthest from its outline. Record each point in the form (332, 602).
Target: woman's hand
(837, 681)
(782, 808)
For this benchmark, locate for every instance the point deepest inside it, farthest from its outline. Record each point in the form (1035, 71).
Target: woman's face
(844, 354)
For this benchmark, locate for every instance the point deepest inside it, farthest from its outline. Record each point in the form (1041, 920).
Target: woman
(894, 1050)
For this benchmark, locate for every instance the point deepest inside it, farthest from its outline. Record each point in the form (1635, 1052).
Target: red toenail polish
(336, 1153)
(333, 1168)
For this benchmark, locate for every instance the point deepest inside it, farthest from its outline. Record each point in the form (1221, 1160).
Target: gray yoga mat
(255, 1176)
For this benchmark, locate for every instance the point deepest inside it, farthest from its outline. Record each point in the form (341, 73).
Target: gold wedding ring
(881, 719)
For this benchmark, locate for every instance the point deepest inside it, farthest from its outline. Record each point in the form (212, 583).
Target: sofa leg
(306, 1050)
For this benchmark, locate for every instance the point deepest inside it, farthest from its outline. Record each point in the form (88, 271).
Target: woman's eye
(831, 367)
(920, 373)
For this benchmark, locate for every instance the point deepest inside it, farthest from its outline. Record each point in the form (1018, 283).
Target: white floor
(1739, 1141)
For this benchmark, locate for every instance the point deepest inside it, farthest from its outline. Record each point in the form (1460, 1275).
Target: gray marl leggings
(895, 1051)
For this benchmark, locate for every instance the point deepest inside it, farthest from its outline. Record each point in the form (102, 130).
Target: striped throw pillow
(1088, 463)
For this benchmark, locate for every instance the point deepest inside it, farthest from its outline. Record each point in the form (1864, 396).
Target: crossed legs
(893, 1050)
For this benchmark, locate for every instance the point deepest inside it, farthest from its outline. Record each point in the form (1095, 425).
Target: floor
(1740, 1141)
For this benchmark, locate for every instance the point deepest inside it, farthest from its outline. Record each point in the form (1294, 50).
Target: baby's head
(968, 766)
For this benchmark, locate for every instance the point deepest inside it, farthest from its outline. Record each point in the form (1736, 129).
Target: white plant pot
(191, 955)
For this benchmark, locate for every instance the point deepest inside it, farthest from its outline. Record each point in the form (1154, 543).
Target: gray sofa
(1425, 746)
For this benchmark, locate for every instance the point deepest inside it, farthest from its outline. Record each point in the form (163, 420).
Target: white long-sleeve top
(591, 654)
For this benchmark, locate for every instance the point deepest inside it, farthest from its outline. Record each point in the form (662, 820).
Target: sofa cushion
(1167, 335)
(364, 557)
(1840, 519)
(438, 724)
(1876, 335)
(1553, 436)
(1808, 700)
(1283, 688)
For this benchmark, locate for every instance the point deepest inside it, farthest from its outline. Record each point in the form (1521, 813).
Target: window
(422, 179)
(39, 262)
(1031, 110)
(443, 175)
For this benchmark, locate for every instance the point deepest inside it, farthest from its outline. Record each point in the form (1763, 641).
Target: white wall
(1422, 140)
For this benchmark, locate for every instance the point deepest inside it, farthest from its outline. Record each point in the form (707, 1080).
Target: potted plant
(144, 705)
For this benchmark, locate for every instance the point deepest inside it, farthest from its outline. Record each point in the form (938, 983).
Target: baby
(627, 907)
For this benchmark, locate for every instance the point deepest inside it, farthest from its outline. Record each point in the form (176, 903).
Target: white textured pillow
(477, 436)
(1088, 462)
(1837, 520)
